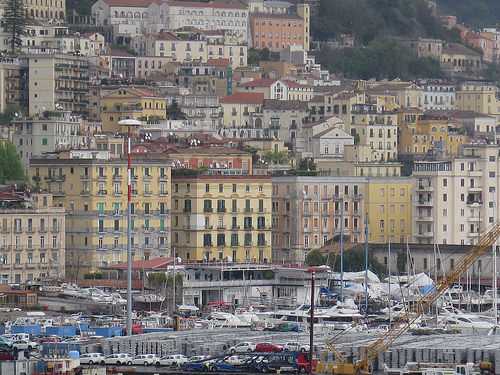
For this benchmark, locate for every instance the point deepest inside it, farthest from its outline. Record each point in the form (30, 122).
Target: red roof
(230, 4)
(130, 3)
(244, 98)
(294, 84)
(219, 62)
(262, 82)
(151, 264)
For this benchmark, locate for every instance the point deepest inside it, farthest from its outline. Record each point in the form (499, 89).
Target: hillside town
(173, 172)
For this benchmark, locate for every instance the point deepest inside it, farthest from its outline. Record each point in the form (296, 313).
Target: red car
(267, 347)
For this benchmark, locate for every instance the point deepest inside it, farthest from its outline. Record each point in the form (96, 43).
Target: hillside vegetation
(475, 13)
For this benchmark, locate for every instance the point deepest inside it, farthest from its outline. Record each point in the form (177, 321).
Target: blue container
(74, 354)
(62, 331)
(59, 348)
(83, 327)
(34, 330)
(157, 330)
(106, 331)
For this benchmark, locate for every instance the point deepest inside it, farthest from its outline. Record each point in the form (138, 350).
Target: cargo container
(106, 331)
(34, 330)
(61, 331)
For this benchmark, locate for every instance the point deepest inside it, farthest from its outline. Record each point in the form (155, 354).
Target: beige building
(307, 212)
(457, 58)
(32, 238)
(456, 200)
(93, 189)
(44, 10)
(58, 82)
(479, 97)
(243, 110)
(222, 218)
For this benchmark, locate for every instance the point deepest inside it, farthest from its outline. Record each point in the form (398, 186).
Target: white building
(438, 95)
(55, 132)
(326, 139)
(456, 200)
(113, 12)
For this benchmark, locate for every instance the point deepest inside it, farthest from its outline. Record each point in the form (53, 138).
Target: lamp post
(129, 123)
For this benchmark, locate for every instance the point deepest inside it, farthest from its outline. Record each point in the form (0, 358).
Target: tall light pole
(129, 123)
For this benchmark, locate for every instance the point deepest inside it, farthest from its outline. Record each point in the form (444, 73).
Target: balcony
(221, 227)
(425, 235)
(424, 202)
(474, 189)
(85, 177)
(102, 192)
(474, 203)
(101, 177)
(357, 197)
(474, 219)
(208, 209)
(424, 218)
(207, 244)
(425, 187)
(221, 209)
(56, 178)
(473, 235)
(248, 210)
(163, 179)
(117, 177)
(85, 193)
(235, 227)
(209, 227)
(147, 177)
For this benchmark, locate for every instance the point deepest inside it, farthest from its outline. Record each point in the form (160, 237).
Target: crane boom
(486, 240)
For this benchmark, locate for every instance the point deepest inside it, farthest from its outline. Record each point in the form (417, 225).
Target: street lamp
(129, 123)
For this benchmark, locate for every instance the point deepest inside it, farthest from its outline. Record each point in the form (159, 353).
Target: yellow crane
(380, 345)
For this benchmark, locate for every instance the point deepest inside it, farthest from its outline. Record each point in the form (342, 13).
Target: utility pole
(129, 236)
(342, 250)
(366, 266)
(173, 283)
(311, 325)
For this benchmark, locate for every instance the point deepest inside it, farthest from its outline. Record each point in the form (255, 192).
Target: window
(445, 197)
(207, 188)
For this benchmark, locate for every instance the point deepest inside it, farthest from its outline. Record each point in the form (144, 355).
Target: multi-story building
(93, 189)
(116, 12)
(284, 119)
(480, 97)
(222, 218)
(243, 110)
(458, 59)
(277, 32)
(376, 129)
(230, 16)
(405, 94)
(11, 92)
(456, 200)
(32, 238)
(131, 102)
(436, 134)
(438, 95)
(45, 10)
(50, 132)
(307, 212)
(58, 81)
(201, 111)
(278, 89)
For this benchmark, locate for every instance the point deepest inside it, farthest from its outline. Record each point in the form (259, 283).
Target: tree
(315, 258)
(11, 168)
(11, 111)
(14, 22)
(174, 112)
(276, 157)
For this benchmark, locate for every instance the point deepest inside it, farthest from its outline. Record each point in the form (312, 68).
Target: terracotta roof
(119, 52)
(244, 98)
(230, 4)
(131, 3)
(285, 105)
(458, 49)
(219, 62)
(151, 264)
(262, 82)
(294, 85)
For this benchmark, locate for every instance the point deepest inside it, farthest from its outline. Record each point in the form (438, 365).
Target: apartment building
(456, 200)
(222, 218)
(277, 32)
(45, 10)
(480, 97)
(93, 189)
(430, 134)
(243, 110)
(11, 92)
(32, 237)
(49, 132)
(131, 103)
(438, 95)
(307, 212)
(58, 81)
(377, 129)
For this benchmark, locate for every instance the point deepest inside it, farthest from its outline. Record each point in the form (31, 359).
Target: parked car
(5, 344)
(25, 345)
(118, 359)
(242, 347)
(174, 360)
(236, 360)
(145, 359)
(197, 358)
(222, 365)
(296, 347)
(267, 347)
(199, 366)
(92, 359)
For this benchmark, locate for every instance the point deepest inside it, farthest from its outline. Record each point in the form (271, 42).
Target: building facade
(32, 238)
(94, 193)
(222, 218)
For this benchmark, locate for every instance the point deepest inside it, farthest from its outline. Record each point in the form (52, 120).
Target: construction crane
(371, 352)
